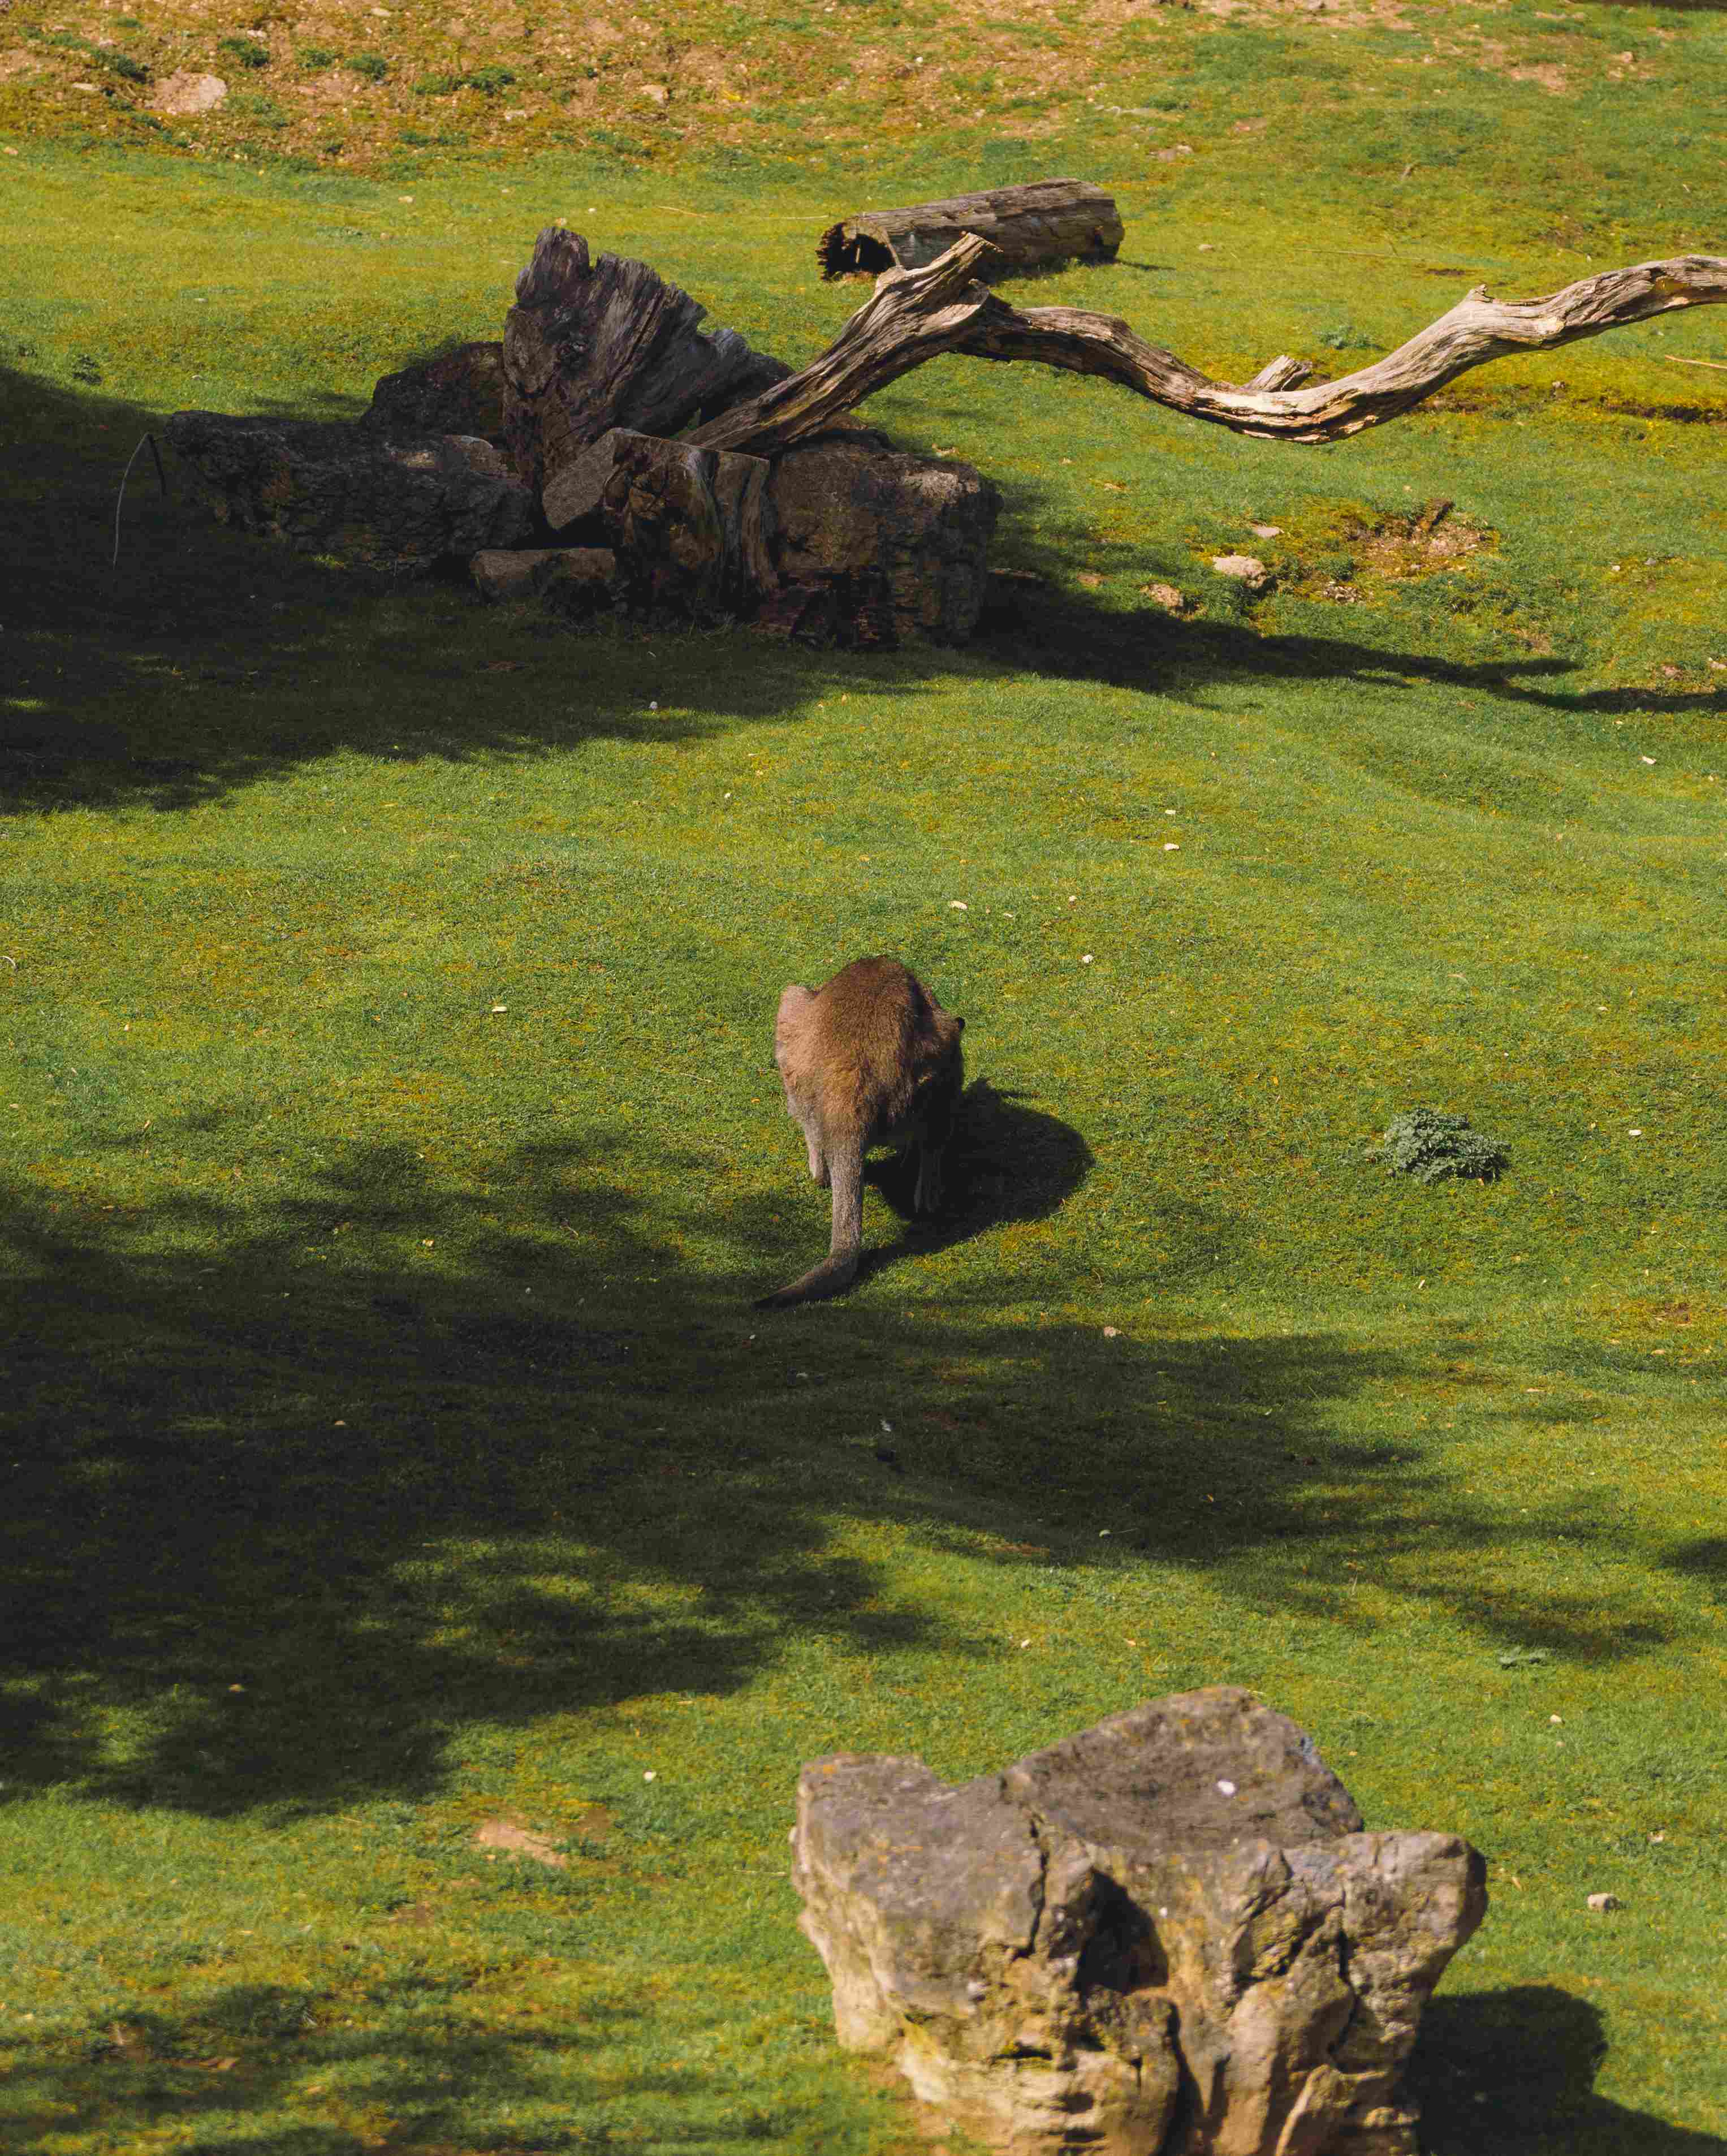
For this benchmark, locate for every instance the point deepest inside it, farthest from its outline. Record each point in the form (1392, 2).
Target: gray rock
(185, 92)
(1165, 1936)
(392, 505)
(874, 546)
(459, 392)
(566, 576)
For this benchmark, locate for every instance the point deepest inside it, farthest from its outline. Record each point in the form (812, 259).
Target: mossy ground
(394, 1146)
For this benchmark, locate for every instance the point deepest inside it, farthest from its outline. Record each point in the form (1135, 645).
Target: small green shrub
(1431, 1146)
(314, 58)
(264, 110)
(436, 85)
(489, 81)
(244, 51)
(373, 66)
(124, 66)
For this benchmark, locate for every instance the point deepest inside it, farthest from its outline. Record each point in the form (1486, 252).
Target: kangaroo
(870, 1058)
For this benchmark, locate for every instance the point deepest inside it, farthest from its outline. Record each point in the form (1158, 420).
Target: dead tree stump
(589, 346)
(689, 526)
(459, 392)
(392, 504)
(1030, 227)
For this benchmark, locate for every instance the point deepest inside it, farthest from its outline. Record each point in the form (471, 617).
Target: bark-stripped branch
(914, 315)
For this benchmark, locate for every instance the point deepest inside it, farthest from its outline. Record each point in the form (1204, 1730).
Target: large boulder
(1167, 1936)
(460, 391)
(398, 504)
(875, 546)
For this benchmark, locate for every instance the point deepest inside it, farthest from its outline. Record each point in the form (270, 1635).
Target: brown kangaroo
(870, 1058)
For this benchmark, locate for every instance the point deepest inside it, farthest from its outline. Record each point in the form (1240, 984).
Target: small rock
(1167, 596)
(656, 93)
(1247, 568)
(184, 93)
(535, 571)
(1600, 1903)
(1266, 530)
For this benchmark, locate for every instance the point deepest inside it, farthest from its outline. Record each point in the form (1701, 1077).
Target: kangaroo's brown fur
(870, 1058)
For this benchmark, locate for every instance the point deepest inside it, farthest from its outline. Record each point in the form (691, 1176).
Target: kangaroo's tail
(839, 1268)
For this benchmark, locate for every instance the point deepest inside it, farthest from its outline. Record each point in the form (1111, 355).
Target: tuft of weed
(243, 52)
(372, 66)
(1434, 1147)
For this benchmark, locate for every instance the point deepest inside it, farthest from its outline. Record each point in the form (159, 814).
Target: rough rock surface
(1168, 1936)
(186, 92)
(459, 392)
(394, 505)
(567, 577)
(874, 546)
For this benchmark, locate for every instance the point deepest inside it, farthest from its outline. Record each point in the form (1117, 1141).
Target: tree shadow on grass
(403, 2059)
(1033, 622)
(300, 1491)
(1512, 2073)
(207, 659)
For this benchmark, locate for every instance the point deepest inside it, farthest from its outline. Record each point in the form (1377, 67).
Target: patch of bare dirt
(507, 1837)
(1356, 552)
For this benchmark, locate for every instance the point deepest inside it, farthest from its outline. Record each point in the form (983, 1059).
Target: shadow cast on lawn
(1512, 2073)
(1006, 1162)
(301, 1489)
(410, 2057)
(207, 659)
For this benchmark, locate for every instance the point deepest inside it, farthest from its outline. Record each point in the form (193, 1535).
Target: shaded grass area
(390, 1449)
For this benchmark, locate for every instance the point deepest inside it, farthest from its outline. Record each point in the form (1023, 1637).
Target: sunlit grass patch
(399, 1482)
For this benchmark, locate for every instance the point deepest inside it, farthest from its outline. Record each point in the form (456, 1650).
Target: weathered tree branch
(914, 316)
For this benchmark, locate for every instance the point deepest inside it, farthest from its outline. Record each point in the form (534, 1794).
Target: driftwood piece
(1044, 222)
(592, 345)
(335, 489)
(689, 526)
(916, 315)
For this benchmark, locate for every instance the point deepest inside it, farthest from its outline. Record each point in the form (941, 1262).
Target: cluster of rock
(1168, 1936)
(549, 463)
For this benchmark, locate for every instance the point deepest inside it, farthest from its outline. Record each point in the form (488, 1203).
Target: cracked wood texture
(916, 315)
(592, 345)
(1043, 222)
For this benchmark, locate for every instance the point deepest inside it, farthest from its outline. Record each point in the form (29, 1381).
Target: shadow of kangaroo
(870, 1058)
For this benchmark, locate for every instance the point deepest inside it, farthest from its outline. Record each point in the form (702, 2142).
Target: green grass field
(394, 1146)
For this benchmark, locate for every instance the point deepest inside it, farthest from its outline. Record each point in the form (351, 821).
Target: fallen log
(1044, 222)
(916, 314)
